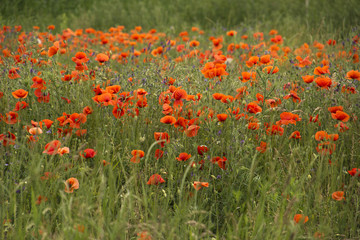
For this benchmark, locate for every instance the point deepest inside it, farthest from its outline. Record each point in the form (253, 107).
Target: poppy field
(134, 133)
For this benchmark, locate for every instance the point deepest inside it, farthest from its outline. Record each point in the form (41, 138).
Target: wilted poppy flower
(199, 185)
(325, 148)
(88, 153)
(20, 93)
(8, 139)
(71, 184)
(11, 118)
(137, 154)
(155, 179)
(52, 147)
(300, 218)
(338, 196)
(183, 157)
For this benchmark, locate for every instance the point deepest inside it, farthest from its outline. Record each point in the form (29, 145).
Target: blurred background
(286, 15)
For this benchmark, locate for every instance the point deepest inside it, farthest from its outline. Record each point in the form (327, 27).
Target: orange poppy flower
(300, 218)
(325, 148)
(183, 157)
(80, 57)
(222, 117)
(35, 131)
(275, 130)
(199, 185)
(20, 93)
(321, 135)
(87, 110)
(265, 59)
(293, 95)
(340, 115)
(323, 82)
(155, 179)
(253, 108)
(353, 75)
(321, 70)
(101, 58)
(335, 109)
(253, 125)
(288, 118)
(71, 184)
(47, 122)
(168, 120)
(270, 69)
(231, 33)
(137, 154)
(308, 78)
(338, 196)
(62, 151)
(52, 147)
(252, 61)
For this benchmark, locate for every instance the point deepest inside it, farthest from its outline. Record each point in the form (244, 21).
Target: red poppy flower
(295, 135)
(168, 120)
(354, 172)
(183, 157)
(164, 136)
(88, 153)
(192, 130)
(202, 149)
(155, 179)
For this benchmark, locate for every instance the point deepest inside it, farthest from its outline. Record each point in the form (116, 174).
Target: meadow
(212, 128)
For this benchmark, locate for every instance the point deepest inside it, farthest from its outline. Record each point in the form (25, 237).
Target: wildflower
(101, 58)
(295, 135)
(338, 196)
(88, 153)
(168, 120)
(353, 75)
(137, 154)
(300, 218)
(183, 157)
(202, 149)
(222, 117)
(158, 154)
(71, 184)
(192, 130)
(20, 93)
(340, 115)
(262, 148)
(354, 172)
(155, 179)
(199, 185)
(323, 82)
(52, 147)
